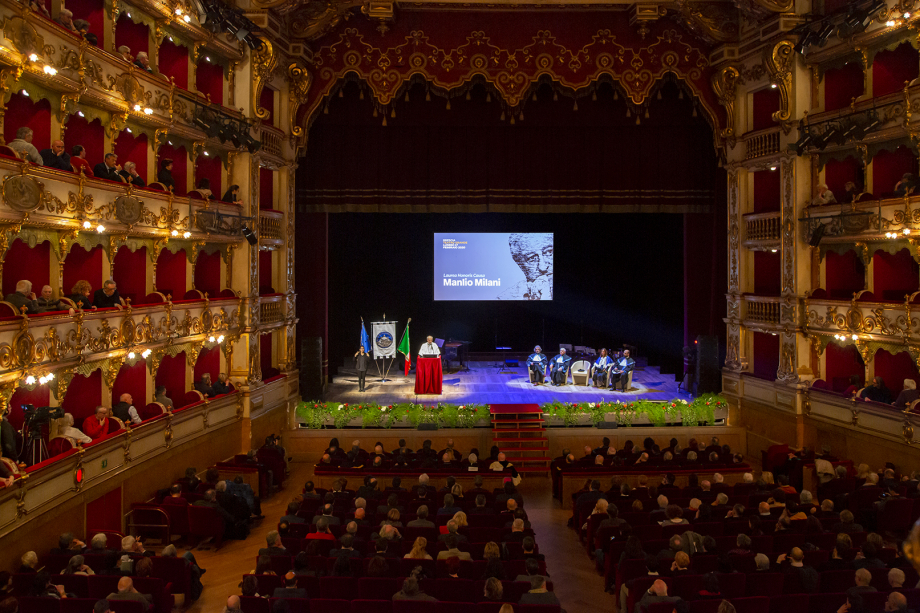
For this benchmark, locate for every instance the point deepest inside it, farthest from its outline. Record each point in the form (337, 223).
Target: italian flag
(403, 347)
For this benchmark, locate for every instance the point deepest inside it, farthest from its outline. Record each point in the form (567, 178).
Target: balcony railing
(762, 227)
(761, 143)
(272, 139)
(272, 309)
(870, 322)
(762, 310)
(271, 227)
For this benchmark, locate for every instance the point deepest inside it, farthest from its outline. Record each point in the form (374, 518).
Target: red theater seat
(154, 409)
(205, 523)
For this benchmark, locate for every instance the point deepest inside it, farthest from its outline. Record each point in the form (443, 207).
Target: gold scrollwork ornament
(22, 193)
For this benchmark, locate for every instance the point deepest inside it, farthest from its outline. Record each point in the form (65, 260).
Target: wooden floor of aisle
(578, 586)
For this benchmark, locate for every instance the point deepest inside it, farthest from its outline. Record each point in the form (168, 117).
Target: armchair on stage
(581, 373)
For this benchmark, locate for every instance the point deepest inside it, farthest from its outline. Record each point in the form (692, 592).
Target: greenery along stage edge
(315, 414)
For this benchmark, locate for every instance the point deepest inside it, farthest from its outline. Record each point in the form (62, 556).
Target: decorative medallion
(128, 210)
(21, 193)
(23, 35)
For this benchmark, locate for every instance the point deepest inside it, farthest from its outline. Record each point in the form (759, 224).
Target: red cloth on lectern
(428, 376)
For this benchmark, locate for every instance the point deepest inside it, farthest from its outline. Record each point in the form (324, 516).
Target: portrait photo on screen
(493, 266)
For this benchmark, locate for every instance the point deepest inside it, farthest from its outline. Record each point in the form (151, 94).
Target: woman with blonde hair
(392, 519)
(418, 550)
(767, 477)
(637, 506)
(506, 608)
(491, 550)
(460, 518)
(493, 590)
(457, 491)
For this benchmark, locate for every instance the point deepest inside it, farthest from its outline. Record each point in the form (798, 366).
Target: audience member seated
(655, 594)
(78, 161)
(165, 175)
(23, 297)
(108, 296)
(39, 7)
(22, 145)
(56, 157)
(538, 594)
(274, 548)
(125, 52)
(47, 302)
(97, 425)
(220, 386)
(125, 411)
(162, 398)
(130, 175)
(411, 591)
(877, 392)
(142, 61)
(204, 188)
(823, 196)
(908, 394)
(126, 591)
(233, 529)
(175, 496)
(233, 195)
(80, 295)
(69, 544)
(65, 18)
(108, 169)
(452, 551)
(290, 589)
(203, 385)
(903, 187)
(418, 550)
(66, 428)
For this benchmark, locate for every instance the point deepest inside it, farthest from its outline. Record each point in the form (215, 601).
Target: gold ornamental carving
(25, 38)
(779, 61)
(22, 193)
(724, 84)
(264, 60)
(300, 80)
(316, 18)
(714, 22)
(130, 87)
(129, 210)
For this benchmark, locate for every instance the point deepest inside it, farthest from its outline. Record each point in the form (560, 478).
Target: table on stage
(428, 376)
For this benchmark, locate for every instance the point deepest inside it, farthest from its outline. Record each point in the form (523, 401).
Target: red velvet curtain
(844, 274)
(133, 148)
(136, 36)
(841, 85)
(765, 102)
(132, 380)
(171, 273)
(173, 62)
(83, 395)
(889, 166)
(131, 274)
(25, 263)
(82, 265)
(894, 276)
(22, 111)
(171, 375)
(208, 362)
(890, 69)
(840, 364)
(267, 102)
(211, 168)
(39, 397)
(266, 189)
(766, 355)
(767, 192)
(179, 156)
(265, 273)
(210, 80)
(838, 172)
(265, 354)
(207, 273)
(894, 368)
(767, 277)
(104, 513)
(88, 134)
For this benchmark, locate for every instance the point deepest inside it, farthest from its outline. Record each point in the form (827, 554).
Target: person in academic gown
(622, 368)
(536, 364)
(559, 368)
(601, 369)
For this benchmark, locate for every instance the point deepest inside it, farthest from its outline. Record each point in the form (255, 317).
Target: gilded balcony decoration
(762, 310)
(761, 143)
(271, 310)
(272, 139)
(271, 224)
(780, 61)
(762, 230)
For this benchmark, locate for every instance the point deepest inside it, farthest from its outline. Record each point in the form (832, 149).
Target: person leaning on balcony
(56, 157)
(47, 302)
(908, 394)
(22, 145)
(109, 169)
(125, 52)
(125, 410)
(142, 61)
(78, 161)
(233, 194)
(80, 294)
(823, 196)
(165, 175)
(65, 18)
(66, 429)
(162, 398)
(23, 297)
(220, 386)
(107, 297)
(204, 385)
(130, 175)
(97, 425)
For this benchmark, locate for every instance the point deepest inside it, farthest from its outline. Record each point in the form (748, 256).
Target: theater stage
(483, 384)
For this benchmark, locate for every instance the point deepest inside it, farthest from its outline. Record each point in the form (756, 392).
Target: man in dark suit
(210, 501)
(275, 548)
(108, 169)
(586, 501)
(290, 589)
(452, 531)
(56, 157)
(291, 517)
(481, 508)
(392, 503)
(347, 548)
(369, 490)
(538, 593)
(327, 513)
(107, 297)
(126, 591)
(422, 521)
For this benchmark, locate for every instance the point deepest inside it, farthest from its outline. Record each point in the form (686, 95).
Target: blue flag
(364, 338)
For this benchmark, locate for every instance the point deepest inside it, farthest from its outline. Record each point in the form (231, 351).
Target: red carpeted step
(529, 420)
(512, 430)
(523, 439)
(515, 408)
(507, 450)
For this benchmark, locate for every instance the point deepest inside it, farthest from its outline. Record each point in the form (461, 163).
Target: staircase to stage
(520, 433)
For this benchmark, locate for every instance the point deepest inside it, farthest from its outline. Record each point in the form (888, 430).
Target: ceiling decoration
(714, 22)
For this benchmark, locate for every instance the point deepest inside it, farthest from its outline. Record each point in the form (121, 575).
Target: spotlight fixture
(251, 238)
(145, 353)
(50, 70)
(87, 225)
(33, 57)
(100, 228)
(186, 234)
(817, 235)
(174, 233)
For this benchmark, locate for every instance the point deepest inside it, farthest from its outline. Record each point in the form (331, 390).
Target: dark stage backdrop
(618, 279)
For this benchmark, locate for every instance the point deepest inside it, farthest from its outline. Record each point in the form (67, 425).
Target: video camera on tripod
(34, 446)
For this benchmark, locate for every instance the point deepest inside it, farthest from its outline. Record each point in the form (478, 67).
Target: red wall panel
(844, 274)
(765, 103)
(265, 355)
(210, 80)
(131, 274)
(135, 35)
(840, 364)
(266, 189)
(889, 166)
(838, 172)
(104, 513)
(179, 156)
(766, 355)
(207, 273)
(893, 369)
(36, 114)
(267, 102)
(767, 192)
(173, 62)
(82, 265)
(208, 362)
(132, 380)
(265, 273)
(841, 85)
(23, 262)
(890, 69)
(133, 148)
(171, 375)
(894, 276)
(767, 273)
(171, 273)
(90, 135)
(84, 394)
(211, 168)
(39, 397)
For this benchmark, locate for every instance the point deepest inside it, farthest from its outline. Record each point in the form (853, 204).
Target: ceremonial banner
(384, 339)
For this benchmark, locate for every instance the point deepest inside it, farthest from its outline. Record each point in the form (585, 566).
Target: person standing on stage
(361, 359)
(621, 370)
(559, 368)
(429, 349)
(536, 364)
(602, 369)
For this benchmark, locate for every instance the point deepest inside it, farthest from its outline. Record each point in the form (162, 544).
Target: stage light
(817, 235)
(906, 15)
(906, 231)
(175, 233)
(131, 355)
(772, 85)
(889, 23)
(773, 250)
(30, 380)
(49, 70)
(33, 57)
(854, 337)
(145, 353)
(148, 111)
(87, 225)
(137, 107)
(186, 234)
(128, 130)
(773, 167)
(100, 228)
(249, 234)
